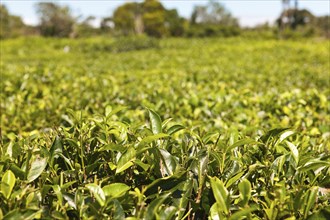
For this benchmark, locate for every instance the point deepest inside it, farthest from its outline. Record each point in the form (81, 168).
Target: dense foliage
(10, 25)
(55, 21)
(150, 17)
(175, 129)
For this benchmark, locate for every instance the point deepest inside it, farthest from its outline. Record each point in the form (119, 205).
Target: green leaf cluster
(182, 132)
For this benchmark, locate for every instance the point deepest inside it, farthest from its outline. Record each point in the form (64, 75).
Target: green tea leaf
(245, 191)
(285, 135)
(216, 212)
(17, 171)
(70, 200)
(126, 160)
(18, 214)
(97, 192)
(170, 162)
(174, 129)
(119, 212)
(112, 147)
(115, 190)
(151, 138)
(7, 183)
(234, 179)
(220, 194)
(58, 193)
(37, 167)
(144, 166)
(55, 150)
(242, 142)
(156, 122)
(109, 111)
(14, 150)
(323, 214)
(164, 184)
(294, 151)
(153, 207)
(242, 214)
(272, 133)
(311, 199)
(313, 165)
(184, 200)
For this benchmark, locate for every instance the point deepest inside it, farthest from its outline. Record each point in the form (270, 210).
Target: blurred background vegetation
(151, 18)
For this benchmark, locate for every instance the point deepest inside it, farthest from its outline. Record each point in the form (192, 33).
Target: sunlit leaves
(153, 208)
(164, 184)
(115, 190)
(58, 193)
(126, 160)
(97, 192)
(314, 164)
(294, 151)
(174, 129)
(55, 150)
(245, 191)
(156, 123)
(221, 195)
(242, 214)
(311, 196)
(170, 162)
(37, 167)
(221, 138)
(151, 138)
(7, 183)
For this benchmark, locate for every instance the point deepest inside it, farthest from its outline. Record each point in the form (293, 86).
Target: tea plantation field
(165, 129)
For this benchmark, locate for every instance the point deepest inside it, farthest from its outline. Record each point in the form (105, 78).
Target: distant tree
(85, 27)
(294, 18)
(55, 20)
(154, 18)
(127, 18)
(302, 23)
(213, 13)
(289, 16)
(10, 25)
(149, 17)
(4, 19)
(106, 24)
(323, 23)
(212, 19)
(174, 23)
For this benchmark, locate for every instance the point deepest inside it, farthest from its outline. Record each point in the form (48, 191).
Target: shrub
(133, 43)
(212, 31)
(120, 44)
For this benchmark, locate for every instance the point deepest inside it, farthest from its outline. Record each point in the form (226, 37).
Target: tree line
(151, 18)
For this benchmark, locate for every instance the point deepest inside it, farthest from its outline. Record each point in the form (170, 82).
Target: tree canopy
(149, 17)
(10, 25)
(55, 20)
(213, 13)
(125, 16)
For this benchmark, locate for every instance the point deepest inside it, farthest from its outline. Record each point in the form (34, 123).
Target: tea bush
(184, 129)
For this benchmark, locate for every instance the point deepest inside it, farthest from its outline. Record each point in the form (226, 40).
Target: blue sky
(249, 12)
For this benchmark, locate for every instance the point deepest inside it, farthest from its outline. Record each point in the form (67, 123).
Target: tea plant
(190, 129)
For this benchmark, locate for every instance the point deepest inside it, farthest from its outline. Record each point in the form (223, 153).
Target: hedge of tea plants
(164, 129)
